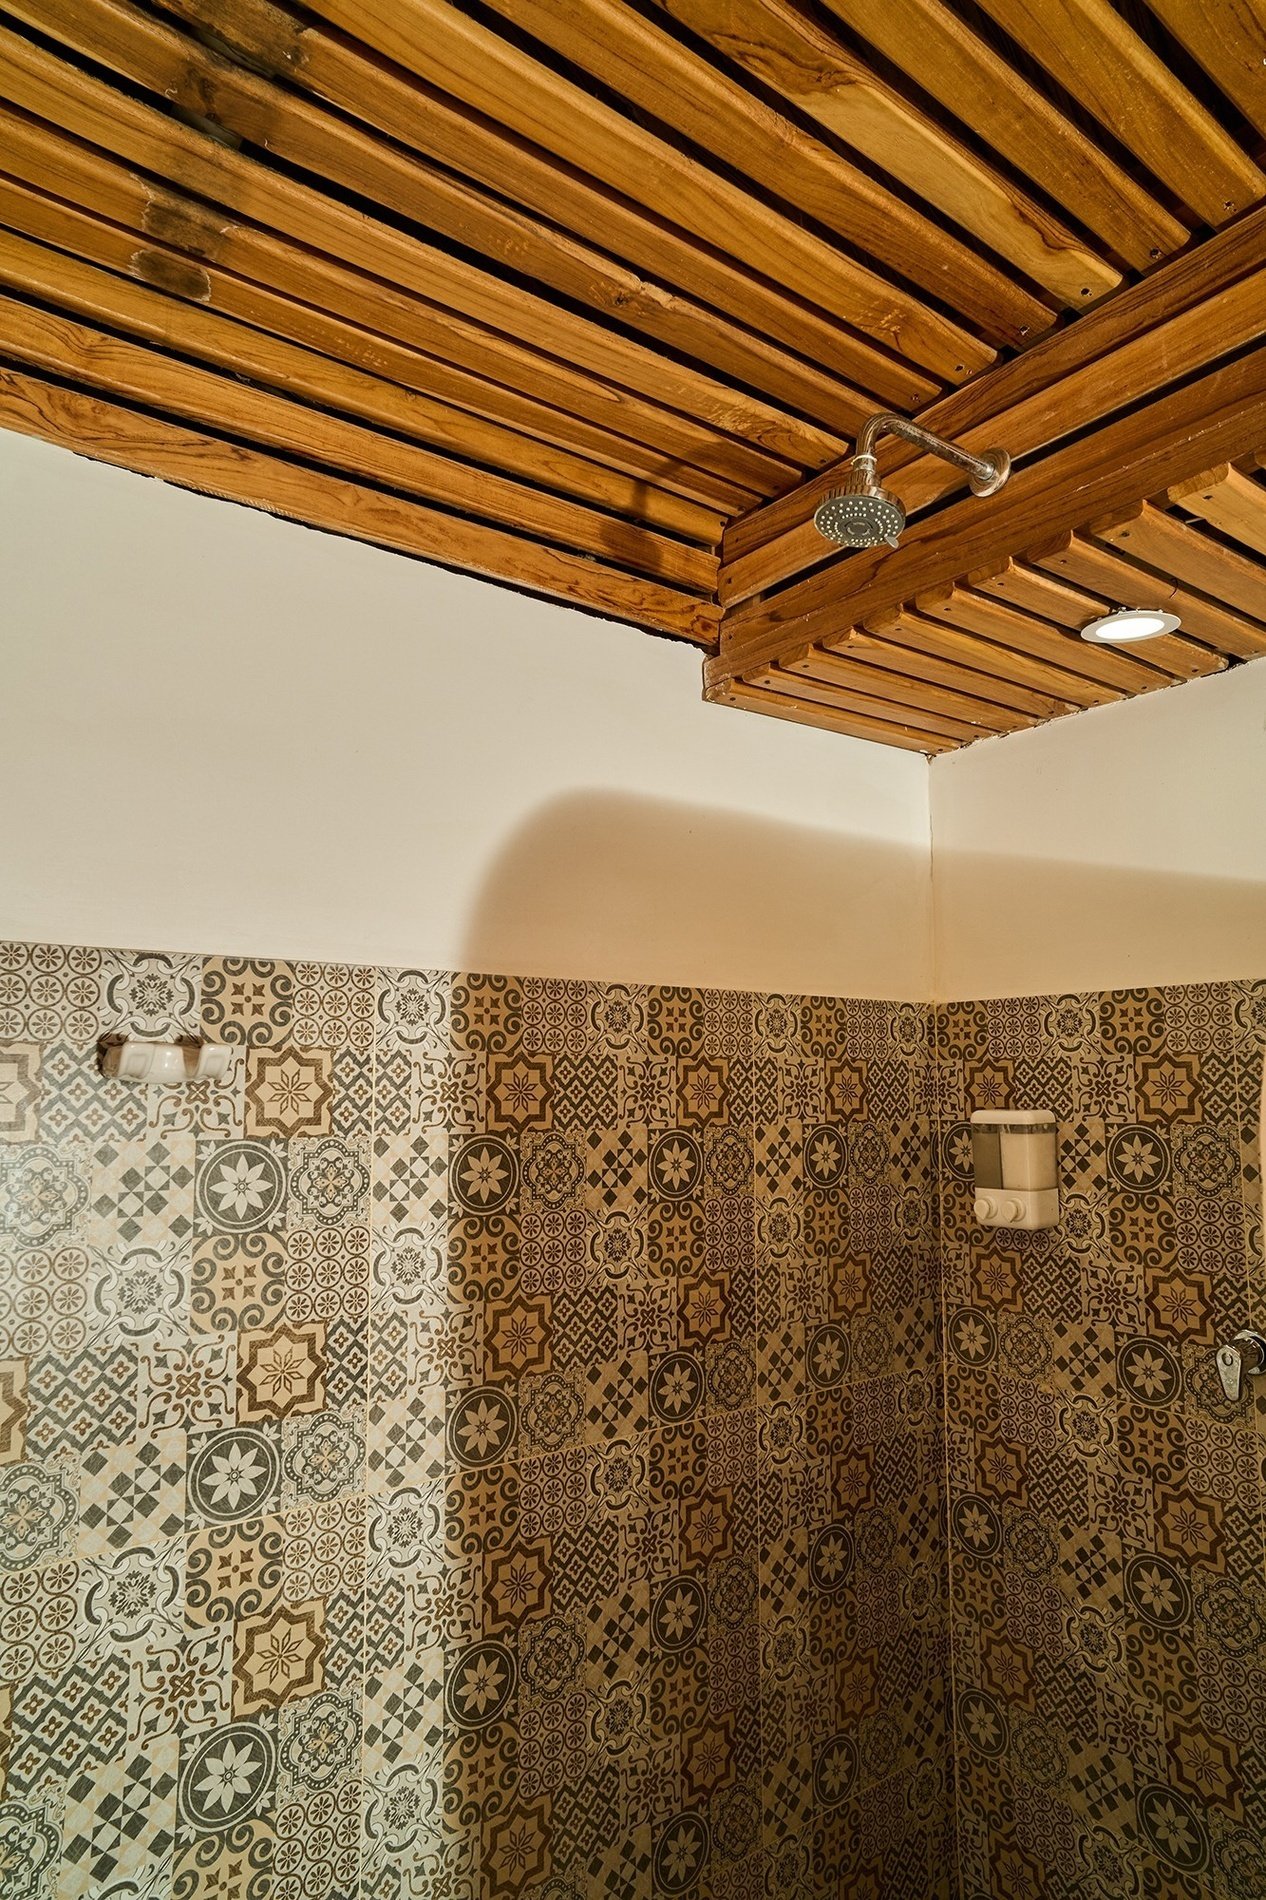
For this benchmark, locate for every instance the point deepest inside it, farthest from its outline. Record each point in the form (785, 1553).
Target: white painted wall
(226, 733)
(1116, 847)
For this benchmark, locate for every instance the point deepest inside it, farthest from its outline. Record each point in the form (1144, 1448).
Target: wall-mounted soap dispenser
(1014, 1162)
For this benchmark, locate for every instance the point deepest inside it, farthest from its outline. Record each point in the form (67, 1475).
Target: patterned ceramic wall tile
(1105, 1508)
(486, 1447)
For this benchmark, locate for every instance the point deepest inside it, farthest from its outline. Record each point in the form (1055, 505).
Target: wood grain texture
(777, 705)
(930, 43)
(1228, 40)
(1228, 500)
(1089, 48)
(107, 432)
(791, 53)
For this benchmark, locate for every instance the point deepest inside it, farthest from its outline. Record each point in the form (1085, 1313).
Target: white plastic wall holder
(172, 1063)
(1014, 1160)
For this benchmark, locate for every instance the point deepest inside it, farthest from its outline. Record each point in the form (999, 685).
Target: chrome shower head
(861, 514)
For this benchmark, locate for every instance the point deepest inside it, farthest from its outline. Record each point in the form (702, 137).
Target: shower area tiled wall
(492, 1445)
(1107, 1570)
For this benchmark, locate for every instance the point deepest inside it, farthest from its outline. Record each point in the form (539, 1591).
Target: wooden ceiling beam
(494, 76)
(1021, 586)
(91, 358)
(846, 670)
(685, 90)
(931, 44)
(1228, 500)
(1120, 583)
(204, 333)
(576, 352)
(1227, 39)
(1184, 318)
(1158, 540)
(868, 649)
(1098, 57)
(127, 438)
(916, 631)
(178, 246)
(777, 706)
(736, 321)
(1221, 415)
(788, 51)
(1097, 678)
(865, 705)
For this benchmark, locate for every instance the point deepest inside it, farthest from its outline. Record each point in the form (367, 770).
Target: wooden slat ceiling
(591, 297)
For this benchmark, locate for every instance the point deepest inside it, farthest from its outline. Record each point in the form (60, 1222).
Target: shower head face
(860, 517)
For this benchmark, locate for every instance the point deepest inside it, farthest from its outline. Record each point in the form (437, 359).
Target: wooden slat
(1087, 564)
(90, 357)
(730, 317)
(474, 64)
(327, 308)
(1100, 676)
(953, 65)
(907, 628)
(642, 62)
(866, 705)
(1229, 501)
(107, 432)
(868, 650)
(36, 81)
(201, 333)
(746, 698)
(787, 50)
(1097, 56)
(1028, 588)
(846, 671)
(1217, 416)
(258, 112)
(1077, 393)
(1228, 38)
(1147, 534)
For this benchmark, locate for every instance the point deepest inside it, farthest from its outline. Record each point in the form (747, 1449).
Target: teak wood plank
(55, 91)
(200, 331)
(868, 650)
(733, 319)
(1230, 501)
(1104, 672)
(788, 51)
(259, 112)
(905, 627)
(1098, 57)
(1219, 416)
(366, 376)
(61, 346)
(932, 46)
(745, 698)
(327, 307)
(471, 62)
(108, 432)
(1197, 279)
(1079, 393)
(1151, 536)
(847, 671)
(642, 62)
(1030, 590)
(1227, 37)
(1085, 563)
(864, 705)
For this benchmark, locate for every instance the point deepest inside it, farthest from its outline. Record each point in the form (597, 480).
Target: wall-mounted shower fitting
(862, 513)
(1014, 1162)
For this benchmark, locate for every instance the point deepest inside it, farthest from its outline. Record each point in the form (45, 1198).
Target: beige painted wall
(1116, 847)
(224, 732)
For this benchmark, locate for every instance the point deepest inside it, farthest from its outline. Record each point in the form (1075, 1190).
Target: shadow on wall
(614, 887)
(1008, 926)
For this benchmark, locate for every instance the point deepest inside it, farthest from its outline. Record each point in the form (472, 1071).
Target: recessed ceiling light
(1131, 623)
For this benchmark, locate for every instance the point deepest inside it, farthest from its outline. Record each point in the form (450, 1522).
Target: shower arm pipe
(985, 473)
